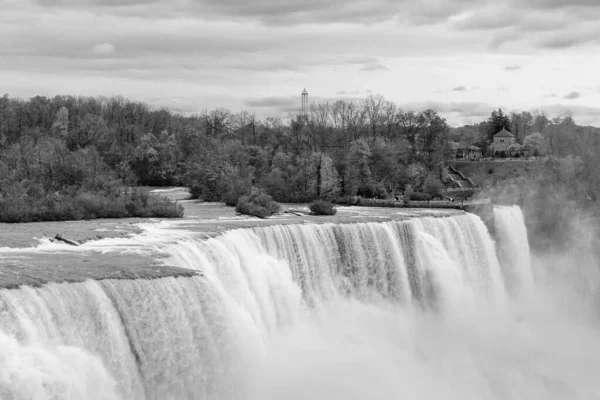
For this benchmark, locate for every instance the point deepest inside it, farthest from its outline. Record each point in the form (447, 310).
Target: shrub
(83, 204)
(163, 207)
(420, 196)
(258, 204)
(382, 192)
(380, 203)
(321, 207)
(371, 191)
(433, 186)
(195, 191)
(234, 194)
(349, 200)
(367, 191)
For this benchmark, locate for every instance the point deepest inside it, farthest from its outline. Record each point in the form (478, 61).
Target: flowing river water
(423, 308)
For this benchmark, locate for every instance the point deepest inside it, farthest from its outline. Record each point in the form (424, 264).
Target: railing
(457, 204)
(455, 171)
(454, 180)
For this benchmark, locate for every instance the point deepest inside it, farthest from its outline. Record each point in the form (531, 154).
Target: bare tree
(218, 122)
(354, 119)
(373, 106)
(410, 124)
(336, 115)
(318, 121)
(389, 120)
(242, 121)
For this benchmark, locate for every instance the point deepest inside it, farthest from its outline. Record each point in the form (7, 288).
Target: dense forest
(369, 149)
(82, 153)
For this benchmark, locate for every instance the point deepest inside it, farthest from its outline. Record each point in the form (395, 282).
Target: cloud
(500, 17)
(374, 67)
(276, 12)
(564, 4)
(361, 60)
(104, 48)
(572, 96)
(488, 19)
(455, 112)
(544, 25)
(212, 52)
(566, 41)
(459, 89)
(274, 102)
(460, 113)
(282, 106)
(507, 36)
(350, 92)
(97, 3)
(551, 95)
(582, 114)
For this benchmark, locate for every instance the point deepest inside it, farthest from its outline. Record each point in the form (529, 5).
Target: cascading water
(416, 309)
(513, 249)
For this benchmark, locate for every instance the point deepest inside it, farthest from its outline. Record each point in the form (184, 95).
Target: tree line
(558, 137)
(370, 148)
(342, 149)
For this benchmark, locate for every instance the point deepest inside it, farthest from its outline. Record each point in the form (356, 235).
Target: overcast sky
(461, 57)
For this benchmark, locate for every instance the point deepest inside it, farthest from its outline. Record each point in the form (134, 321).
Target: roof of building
(462, 146)
(504, 133)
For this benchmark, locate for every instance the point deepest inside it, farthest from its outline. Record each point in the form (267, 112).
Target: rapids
(426, 308)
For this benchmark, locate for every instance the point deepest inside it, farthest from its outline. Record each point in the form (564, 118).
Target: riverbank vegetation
(322, 207)
(258, 204)
(18, 205)
(72, 157)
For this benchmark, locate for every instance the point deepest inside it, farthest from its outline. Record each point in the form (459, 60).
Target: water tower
(304, 103)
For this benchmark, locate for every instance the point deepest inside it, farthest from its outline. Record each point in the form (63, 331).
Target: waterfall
(56, 333)
(391, 260)
(513, 249)
(419, 308)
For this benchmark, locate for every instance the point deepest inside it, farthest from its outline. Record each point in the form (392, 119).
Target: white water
(419, 309)
(513, 249)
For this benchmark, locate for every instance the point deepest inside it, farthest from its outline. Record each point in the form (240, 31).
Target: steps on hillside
(460, 180)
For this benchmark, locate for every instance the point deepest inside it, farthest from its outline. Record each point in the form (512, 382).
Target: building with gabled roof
(465, 152)
(502, 140)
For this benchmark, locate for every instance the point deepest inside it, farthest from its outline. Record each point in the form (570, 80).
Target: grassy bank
(488, 173)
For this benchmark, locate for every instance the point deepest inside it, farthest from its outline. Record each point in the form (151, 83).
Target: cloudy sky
(461, 57)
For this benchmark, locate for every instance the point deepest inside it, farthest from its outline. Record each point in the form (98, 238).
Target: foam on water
(418, 309)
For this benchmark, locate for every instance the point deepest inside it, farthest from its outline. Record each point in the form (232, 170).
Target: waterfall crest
(353, 311)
